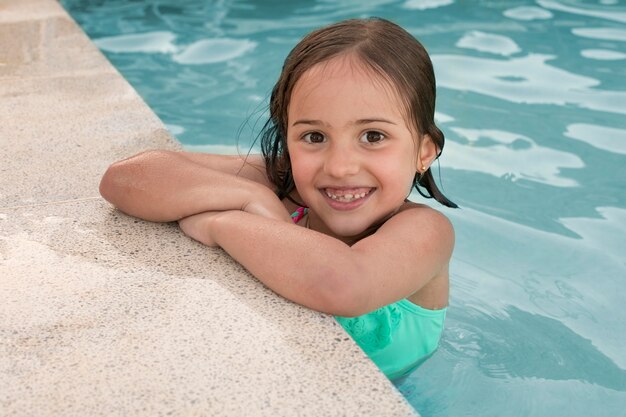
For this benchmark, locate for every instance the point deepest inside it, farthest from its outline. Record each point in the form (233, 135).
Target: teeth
(346, 198)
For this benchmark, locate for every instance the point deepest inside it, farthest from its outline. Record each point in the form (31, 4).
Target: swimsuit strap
(299, 214)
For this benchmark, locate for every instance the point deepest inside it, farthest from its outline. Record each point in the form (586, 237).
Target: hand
(198, 227)
(263, 202)
(260, 203)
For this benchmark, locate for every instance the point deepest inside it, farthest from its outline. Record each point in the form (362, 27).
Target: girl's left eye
(372, 136)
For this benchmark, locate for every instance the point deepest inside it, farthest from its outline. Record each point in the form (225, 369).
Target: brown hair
(387, 49)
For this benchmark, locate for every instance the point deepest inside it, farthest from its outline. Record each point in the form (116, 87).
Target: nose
(341, 160)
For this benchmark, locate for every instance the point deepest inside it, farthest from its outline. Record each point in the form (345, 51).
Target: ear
(426, 153)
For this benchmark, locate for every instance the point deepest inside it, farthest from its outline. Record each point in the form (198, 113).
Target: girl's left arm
(325, 274)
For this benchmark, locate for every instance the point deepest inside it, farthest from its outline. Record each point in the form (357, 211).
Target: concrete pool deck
(102, 314)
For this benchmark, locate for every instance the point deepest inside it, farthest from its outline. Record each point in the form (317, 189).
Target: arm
(325, 274)
(167, 186)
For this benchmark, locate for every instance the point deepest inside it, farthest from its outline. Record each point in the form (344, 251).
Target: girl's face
(353, 153)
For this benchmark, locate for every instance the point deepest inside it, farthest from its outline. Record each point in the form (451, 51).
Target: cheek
(300, 169)
(304, 179)
(404, 171)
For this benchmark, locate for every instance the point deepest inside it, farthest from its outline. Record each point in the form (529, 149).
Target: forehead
(345, 78)
(346, 66)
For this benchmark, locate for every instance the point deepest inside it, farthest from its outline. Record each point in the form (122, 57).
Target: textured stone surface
(104, 314)
(50, 74)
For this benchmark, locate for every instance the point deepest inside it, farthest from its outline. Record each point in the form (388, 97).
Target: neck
(314, 223)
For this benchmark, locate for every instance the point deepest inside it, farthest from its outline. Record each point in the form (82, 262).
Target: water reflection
(607, 34)
(426, 4)
(527, 80)
(210, 51)
(443, 118)
(204, 51)
(152, 42)
(606, 138)
(501, 153)
(302, 16)
(556, 296)
(607, 233)
(611, 13)
(519, 344)
(602, 54)
(528, 13)
(487, 42)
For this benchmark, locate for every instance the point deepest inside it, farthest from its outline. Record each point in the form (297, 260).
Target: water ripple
(299, 20)
(487, 42)
(602, 54)
(443, 118)
(606, 233)
(426, 4)
(506, 154)
(210, 51)
(607, 34)
(601, 137)
(527, 80)
(612, 14)
(160, 42)
(519, 344)
(528, 13)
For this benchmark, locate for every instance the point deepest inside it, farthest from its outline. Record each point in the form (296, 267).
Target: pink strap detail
(299, 214)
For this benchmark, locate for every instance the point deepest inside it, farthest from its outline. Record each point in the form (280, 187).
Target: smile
(347, 195)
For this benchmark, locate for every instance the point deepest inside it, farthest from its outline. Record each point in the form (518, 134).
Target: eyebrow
(373, 120)
(358, 122)
(309, 122)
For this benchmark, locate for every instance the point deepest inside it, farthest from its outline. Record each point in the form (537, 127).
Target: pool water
(532, 99)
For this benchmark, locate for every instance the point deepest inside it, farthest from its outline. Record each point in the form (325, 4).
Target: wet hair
(383, 47)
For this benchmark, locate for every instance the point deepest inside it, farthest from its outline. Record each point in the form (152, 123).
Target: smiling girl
(322, 217)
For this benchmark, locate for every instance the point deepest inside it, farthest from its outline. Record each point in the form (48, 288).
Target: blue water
(532, 99)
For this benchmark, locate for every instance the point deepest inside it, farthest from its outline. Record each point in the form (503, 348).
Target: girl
(351, 131)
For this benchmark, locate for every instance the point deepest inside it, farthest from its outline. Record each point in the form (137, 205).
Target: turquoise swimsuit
(397, 337)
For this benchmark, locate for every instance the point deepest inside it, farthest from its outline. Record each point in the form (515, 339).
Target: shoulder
(420, 215)
(414, 247)
(421, 225)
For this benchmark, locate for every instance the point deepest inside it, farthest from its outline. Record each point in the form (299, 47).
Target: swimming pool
(532, 100)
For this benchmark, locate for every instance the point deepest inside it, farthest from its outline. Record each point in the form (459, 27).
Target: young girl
(351, 132)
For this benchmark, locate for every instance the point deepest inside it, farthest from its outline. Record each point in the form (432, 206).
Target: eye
(314, 137)
(372, 136)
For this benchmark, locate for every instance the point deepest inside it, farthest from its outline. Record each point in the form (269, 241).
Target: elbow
(120, 177)
(109, 184)
(116, 182)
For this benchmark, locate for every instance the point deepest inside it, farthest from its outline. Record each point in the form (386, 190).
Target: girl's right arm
(167, 186)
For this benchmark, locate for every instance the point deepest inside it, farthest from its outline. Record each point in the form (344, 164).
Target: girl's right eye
(314, 137)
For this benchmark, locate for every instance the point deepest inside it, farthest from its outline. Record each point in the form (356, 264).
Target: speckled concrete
(105, 315)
